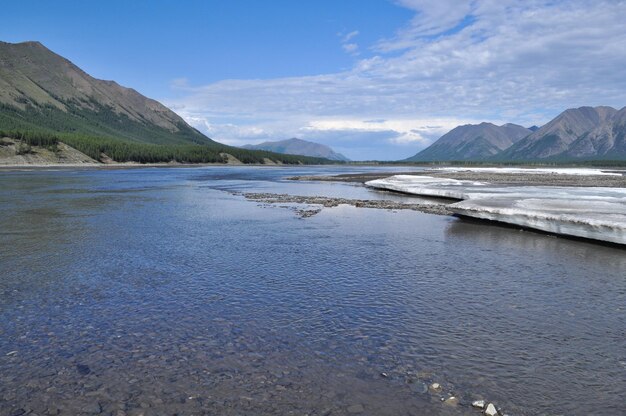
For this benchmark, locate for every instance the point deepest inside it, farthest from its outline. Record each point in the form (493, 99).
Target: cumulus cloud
(454, 62)
(407, 131)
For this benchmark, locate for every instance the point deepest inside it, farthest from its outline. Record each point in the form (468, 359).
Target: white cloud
(407, 131)
(346, 38)
(456, 61)
(351, 47)
(431, 18)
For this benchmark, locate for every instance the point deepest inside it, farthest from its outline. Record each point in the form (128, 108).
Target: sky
(373, 79)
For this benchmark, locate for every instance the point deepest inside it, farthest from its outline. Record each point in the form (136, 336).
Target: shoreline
(113, 166)
(500, 178)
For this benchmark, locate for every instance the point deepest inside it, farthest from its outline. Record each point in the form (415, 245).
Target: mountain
(298, 147)
(605, 141)
(42, 90)
(50, 109)
(577, 133)
(472, 142)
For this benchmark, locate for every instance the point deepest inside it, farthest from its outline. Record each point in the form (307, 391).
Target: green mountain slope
(40, 89)
(45, 99)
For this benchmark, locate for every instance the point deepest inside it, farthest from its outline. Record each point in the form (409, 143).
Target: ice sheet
(559, 171)
(588, 212)
(427, 186)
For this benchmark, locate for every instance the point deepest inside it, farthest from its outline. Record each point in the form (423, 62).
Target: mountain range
(585, 133)
(43, 94)
(298, 147)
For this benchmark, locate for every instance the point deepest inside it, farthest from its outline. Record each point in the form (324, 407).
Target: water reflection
(492, 235)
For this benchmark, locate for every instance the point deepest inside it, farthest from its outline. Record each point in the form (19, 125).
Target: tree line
(98, 148)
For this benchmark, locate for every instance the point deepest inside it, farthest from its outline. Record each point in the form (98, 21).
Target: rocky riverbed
(314, 204)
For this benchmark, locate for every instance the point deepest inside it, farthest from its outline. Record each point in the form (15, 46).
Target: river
(164, 291)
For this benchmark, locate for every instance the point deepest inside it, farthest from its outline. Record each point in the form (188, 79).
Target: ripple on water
(189, 300)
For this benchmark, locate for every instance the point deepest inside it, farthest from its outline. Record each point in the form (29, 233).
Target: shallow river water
(160, 292)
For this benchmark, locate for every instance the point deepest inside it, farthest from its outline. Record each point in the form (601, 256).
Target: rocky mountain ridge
(472, 142)
(585, 133)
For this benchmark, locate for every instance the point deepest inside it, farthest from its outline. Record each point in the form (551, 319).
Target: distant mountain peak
(472, 142)
(295, 146)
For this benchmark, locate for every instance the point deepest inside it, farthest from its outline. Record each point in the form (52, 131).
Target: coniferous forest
(102, 133)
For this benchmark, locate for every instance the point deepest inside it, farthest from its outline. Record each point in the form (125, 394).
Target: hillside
(46, 100)
(299, 147)
(577, 133)
(40, 89)
(472, 142)
(607, 140)
(14, 153)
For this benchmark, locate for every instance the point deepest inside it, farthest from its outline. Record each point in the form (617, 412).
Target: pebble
(83, 369)
(479, 404)
(435, 387)
(491, 410)
(356, 408)
(451, 401)
(92, 408)
(419, 387)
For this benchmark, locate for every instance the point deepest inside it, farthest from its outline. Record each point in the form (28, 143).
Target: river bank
(491, 176)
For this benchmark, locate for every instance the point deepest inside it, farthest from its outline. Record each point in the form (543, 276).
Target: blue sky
(147, 44)
(375, 79)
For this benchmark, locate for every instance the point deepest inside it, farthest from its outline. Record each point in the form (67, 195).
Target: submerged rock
(83, 369)
(418, 387)
(92, 408)
(355, 409)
